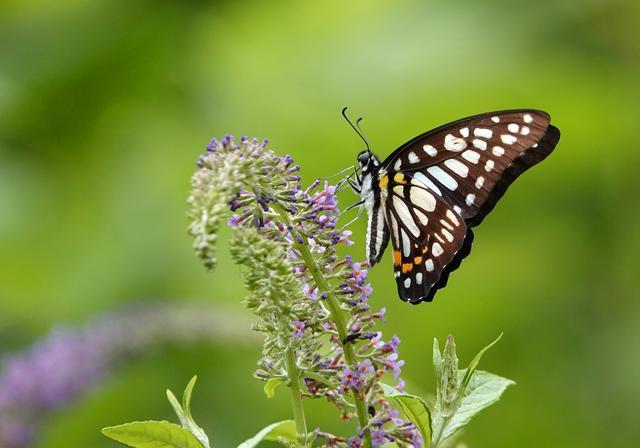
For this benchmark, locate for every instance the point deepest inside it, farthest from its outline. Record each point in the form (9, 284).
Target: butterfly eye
(363, 158)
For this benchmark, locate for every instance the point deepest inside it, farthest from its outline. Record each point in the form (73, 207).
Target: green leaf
(184, 412)
(473, 365)
(483, 390)
(186, 396)
(177, 408)
(437, 361)
(284, 431)
(152, 434)
(414, 408)
(271, 385)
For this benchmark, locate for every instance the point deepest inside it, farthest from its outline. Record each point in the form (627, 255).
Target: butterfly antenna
(357, 129)
(362, 133)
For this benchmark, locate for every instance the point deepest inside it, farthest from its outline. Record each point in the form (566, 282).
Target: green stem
(337, 316)
(296, 398)
(439, 431)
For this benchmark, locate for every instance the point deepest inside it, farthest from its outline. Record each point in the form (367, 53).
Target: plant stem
(439, 431)
(337, 316)
(296, 398)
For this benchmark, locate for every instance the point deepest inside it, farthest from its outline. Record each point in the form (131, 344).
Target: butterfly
(428, 194)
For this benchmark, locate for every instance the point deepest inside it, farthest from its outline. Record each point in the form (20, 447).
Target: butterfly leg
(358, 204)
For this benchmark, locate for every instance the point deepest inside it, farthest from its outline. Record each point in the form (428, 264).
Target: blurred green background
(105, 105)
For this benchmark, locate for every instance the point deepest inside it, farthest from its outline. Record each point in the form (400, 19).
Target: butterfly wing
(466, 166)
(427, 236)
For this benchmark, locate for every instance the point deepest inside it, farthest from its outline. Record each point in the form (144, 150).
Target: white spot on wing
(464, 132)
(479, 182)
(437, 249)
(453, 143)
(452, 217)
(514, 128)
(483, 132)
(442, 177)
(480, 144)
(422, 198)
(407, 282)
(525, 130)
(421, 216)
(457, 167)
(489, 165)
(413, 158)
(406, 244)
(495, 119)
(419, 278)
(447, 235)
(508, 139)
(527, 118)
(470, 199)
(498, 151)
(405, 216)
(424, 180)
(457, 209)
(398, 164)
(430, 150)
(446, 223)
(471, 156)
(394, 227)
(429, 265)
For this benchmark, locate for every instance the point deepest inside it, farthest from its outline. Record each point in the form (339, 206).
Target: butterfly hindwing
(426, 235)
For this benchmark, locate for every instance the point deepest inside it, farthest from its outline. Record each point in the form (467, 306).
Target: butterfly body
(427, 195)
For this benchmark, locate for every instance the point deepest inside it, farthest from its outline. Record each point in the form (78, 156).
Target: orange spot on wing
(417, 260)
(384, 181)
(397, 258)
(407, 267)
(399, 178)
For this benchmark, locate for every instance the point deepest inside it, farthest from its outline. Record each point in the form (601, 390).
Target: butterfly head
(367, 163)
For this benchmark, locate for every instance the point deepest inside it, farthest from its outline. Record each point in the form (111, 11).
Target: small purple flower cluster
(266, 197)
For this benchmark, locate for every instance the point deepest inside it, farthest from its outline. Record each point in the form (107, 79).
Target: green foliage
(152, 434)
(270, 386)
(461, 394)
(184, 412)
(283, 432)
(482, 390)
(414, 408)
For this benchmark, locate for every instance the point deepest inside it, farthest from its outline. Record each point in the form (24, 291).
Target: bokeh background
(105, 105)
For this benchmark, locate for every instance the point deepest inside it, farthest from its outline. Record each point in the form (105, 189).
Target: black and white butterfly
(428, 194)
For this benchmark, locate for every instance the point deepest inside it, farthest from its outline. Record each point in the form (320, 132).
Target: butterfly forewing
(445, 181)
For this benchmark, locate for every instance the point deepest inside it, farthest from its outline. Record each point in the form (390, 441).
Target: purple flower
(298, 328)
(416, 439)
(392, 345)
(235, 220)
(351, 380)
(359, 274)
(380, 437)
(392, 363)
(310, 291)
(354, 442)
(365, 368)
